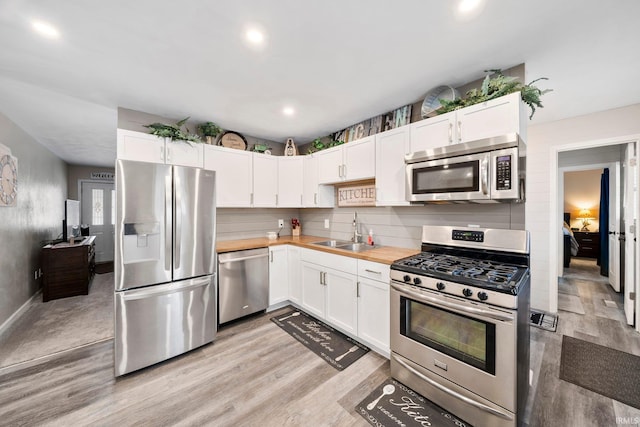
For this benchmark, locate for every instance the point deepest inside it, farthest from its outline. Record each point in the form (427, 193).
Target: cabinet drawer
(337, 262)
(373, 270)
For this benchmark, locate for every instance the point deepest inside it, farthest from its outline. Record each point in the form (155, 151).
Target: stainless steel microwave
(483, 171)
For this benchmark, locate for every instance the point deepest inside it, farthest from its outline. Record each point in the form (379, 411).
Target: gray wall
(247, 223)
(75, 173)
(42, 189)
(402, 226)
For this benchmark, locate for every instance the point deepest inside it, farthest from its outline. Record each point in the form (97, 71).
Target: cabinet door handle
(321, 281)
(344, 171)
(276, 200)
(372, 271)
(301, 200)
(450, 132)
(459, 131)
(162, 153)
(315, 198)
(357, 289)
(271, 256)
(251, 199)
(324, 278)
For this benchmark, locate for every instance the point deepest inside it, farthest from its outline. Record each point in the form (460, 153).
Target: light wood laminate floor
(257, 375)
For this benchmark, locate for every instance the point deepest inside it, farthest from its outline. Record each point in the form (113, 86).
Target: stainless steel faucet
(356, 235)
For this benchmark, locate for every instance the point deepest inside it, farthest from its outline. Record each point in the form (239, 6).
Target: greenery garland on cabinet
(495, 87)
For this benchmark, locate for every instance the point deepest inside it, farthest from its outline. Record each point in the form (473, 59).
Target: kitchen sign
(357, 195)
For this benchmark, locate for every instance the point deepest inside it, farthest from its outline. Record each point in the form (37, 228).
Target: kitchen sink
(331, 243)
(345, 245)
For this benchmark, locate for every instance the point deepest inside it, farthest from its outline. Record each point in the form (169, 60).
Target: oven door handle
(453, 393)
(437, 302)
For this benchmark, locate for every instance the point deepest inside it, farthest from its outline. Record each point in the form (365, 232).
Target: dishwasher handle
(244, 258)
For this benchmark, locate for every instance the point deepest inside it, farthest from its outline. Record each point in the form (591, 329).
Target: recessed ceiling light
(468, 6)
(45, 29)
(288, 111)
(255, 36)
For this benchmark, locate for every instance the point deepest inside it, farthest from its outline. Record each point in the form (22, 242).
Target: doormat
(542, 320)
(394, 404)
(612, 373)
(334, 347)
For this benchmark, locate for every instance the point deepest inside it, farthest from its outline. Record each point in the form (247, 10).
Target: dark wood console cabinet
(68, 269)
(589, 244)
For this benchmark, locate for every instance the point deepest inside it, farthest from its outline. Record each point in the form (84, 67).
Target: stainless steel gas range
(460, 322)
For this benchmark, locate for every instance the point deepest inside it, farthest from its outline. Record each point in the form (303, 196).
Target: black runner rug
(334, 347)
(607, 371)
(394, 404)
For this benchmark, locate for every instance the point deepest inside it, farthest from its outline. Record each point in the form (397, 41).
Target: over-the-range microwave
(482, 171)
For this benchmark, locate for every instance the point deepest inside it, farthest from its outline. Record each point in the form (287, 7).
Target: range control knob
(482, 296)
(416, 281)
(440, 286)
(467, 292)
(406, 278)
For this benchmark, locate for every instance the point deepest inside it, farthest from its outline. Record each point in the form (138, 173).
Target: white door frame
(93, 181)
(555, 229)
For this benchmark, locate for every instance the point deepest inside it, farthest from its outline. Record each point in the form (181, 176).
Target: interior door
(614, 226)
(630, 206)
(98, 211)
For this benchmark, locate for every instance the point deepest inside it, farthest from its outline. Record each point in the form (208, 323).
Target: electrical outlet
(280, 223)
(326, 223)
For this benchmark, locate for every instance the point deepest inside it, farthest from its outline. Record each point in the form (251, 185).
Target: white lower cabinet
(278, 275)
(373, 313)
(349, 294)
(342, 300)
(295, 274)
(313, 291)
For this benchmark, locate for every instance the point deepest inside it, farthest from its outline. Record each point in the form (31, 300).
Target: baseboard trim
(16, 314)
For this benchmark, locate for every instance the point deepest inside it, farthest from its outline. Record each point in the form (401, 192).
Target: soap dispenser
(370, 238)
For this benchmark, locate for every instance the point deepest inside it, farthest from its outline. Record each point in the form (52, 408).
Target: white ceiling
(336, 62)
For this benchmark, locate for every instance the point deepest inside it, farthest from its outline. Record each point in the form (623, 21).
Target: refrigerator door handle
(168, 220)
(178, 220)
(169, 288)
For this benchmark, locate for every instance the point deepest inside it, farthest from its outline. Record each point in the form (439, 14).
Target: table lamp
(585, 215)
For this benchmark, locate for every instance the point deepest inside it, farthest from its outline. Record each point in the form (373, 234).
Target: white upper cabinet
(391, 147)
(348, 162)
(265, 180)
(315, 195)
(144, 147)
(499, 116)
(234, 175)
(359, 159)
(433, 132)
(290, 181)
(329, 165)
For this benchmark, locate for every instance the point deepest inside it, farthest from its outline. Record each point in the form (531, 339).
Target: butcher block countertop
(382, 254)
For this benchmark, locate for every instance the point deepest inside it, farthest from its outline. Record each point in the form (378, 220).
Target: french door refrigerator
(165, 277)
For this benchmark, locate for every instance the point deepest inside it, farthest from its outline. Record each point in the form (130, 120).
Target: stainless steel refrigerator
(165, 270)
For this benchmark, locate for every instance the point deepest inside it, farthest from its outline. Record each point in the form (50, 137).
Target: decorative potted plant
(495, 87)
(210, 131)
(174, 132)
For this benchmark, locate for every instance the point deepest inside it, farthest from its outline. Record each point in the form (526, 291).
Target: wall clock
(9, 183)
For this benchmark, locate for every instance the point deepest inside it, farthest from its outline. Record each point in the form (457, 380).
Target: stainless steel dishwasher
(243, 283)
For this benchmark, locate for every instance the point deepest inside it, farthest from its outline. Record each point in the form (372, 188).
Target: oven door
(470, 344)
(450, 179)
